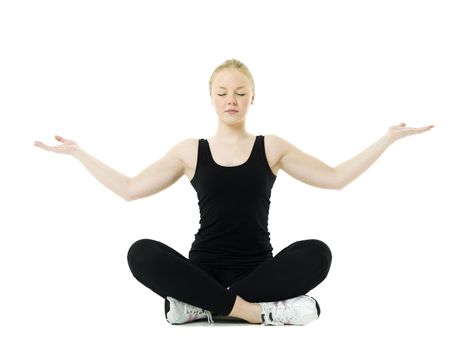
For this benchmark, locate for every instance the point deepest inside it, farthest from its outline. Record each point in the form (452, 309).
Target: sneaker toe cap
(311, 309)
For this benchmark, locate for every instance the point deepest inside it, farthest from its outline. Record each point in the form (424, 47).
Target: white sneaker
(295, 311)
(178, 312)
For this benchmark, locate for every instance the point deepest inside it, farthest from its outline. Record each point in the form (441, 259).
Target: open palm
(397, 132)
(68, 146)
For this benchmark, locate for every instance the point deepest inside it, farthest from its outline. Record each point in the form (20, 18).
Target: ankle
(255, 313)
(247, 311)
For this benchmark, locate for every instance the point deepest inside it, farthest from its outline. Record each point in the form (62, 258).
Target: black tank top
(234, 206)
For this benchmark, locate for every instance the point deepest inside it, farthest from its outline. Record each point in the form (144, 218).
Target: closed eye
(225, 94)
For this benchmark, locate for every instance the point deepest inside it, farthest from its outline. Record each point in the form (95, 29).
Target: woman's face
(231, 90)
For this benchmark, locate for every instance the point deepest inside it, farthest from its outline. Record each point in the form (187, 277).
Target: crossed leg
(168, 273)
(294, 271)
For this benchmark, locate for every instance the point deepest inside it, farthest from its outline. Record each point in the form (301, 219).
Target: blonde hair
(233, 63)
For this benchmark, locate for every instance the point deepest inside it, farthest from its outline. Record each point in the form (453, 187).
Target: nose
(231, 98)
(232, 102)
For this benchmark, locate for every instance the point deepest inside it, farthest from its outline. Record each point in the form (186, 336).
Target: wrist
(387, 139)
(77, 152)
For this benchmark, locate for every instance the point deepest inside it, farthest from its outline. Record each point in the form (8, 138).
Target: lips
(231, 110)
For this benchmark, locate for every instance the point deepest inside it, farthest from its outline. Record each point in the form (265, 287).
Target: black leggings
(294, 271)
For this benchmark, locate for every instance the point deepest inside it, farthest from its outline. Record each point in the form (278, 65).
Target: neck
(231, 133)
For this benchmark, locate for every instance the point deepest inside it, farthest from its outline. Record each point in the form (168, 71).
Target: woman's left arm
(354, 167)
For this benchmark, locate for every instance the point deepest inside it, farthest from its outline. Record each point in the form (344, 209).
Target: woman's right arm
(151, 180)
(110, 178)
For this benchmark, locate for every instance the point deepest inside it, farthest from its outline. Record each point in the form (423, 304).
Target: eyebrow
(222, 87)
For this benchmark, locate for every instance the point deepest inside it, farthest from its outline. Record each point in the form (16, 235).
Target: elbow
(338, 184)
(128, 196)
(337, 187)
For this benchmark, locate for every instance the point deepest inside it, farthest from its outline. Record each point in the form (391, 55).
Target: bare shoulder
(187, 152)
(274, 147)
(278, 148)
(185, 148)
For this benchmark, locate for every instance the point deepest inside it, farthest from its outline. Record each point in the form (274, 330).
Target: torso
(226, 157)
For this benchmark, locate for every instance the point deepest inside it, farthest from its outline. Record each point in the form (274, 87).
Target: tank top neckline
(233, 166)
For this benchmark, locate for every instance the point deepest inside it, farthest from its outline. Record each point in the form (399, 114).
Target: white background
(129, 79)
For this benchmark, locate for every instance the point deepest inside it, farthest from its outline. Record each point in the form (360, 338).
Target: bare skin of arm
(314, 172)
(167, 170)
(155, 178)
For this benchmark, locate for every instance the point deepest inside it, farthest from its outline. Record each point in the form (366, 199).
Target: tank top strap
(256, 151)
(259, 151)
(203, 152)
(259, 147)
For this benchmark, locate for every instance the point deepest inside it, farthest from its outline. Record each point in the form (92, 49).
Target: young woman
(231, 270)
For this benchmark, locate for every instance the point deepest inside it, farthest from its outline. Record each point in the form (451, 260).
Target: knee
(324, 249)
(139, 252)
(321, 249)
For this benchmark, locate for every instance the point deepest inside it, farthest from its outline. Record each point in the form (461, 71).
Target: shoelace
(194, 310)
(282, 315)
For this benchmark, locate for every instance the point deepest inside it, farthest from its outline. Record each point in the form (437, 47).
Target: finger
(424, 128)
(420, 130)
(38, 143)
(41, 145)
